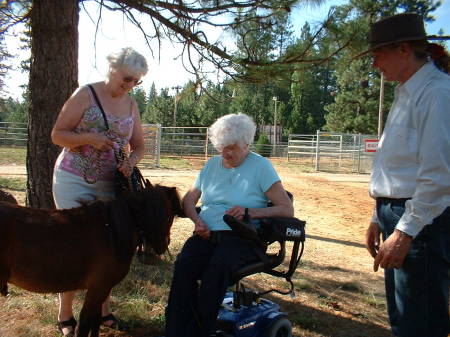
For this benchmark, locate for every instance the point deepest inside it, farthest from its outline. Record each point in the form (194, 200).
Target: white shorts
(69, 189)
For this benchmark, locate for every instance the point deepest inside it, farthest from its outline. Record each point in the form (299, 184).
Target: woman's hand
(126, 167)
(189, 201)
(100, 142)
(201, 229)
(237, 211)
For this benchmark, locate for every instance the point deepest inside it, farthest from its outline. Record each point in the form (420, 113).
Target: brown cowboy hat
(398, 28)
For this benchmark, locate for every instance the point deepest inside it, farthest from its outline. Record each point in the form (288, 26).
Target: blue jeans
(418, 293)
(193, 306)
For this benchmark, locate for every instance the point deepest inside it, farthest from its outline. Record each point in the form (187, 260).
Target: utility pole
(275, 99)
(176, 98)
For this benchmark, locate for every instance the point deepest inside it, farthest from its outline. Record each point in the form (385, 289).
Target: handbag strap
(97, 101)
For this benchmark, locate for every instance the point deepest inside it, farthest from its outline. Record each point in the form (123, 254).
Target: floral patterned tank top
(88, 162)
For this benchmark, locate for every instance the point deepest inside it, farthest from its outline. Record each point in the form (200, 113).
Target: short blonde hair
(232, 129)
(129, 60)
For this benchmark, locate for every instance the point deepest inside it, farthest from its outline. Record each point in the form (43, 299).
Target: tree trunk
(53, 78)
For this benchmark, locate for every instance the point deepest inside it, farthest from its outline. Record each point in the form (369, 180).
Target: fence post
(340, 150)
(158, 144)
(359, 153)
(317, 150)
(206, 145)
(289, 143)
(182, 143)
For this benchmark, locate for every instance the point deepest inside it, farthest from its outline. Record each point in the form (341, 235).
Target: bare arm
(282, 205)
(137, 144)
(63, 132)
(189, 202)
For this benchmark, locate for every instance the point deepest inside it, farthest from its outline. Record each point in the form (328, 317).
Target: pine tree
(355, 108)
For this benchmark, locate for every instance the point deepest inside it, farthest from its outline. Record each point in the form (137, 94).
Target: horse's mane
(120, 221)
(152, 210)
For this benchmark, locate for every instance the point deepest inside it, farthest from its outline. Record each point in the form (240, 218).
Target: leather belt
(386, 200)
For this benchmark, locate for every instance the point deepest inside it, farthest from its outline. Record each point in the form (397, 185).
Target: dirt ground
(338, 289)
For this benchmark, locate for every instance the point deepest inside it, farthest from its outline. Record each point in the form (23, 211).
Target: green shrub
(262, 145)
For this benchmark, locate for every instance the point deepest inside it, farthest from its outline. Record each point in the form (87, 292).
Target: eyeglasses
(129, 79)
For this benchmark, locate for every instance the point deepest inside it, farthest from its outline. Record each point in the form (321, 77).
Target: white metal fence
(152, 138)
(331, 151)
(16, 134)
(182, 141)
(13, 133)
(323, 151)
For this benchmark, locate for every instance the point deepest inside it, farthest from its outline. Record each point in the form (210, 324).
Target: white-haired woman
(236, 180)
(85, 168)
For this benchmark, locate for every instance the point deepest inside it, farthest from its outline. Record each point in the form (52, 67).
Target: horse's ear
(177, 203)
(148, 184)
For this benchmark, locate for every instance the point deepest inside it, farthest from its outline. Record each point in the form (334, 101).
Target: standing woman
(85, 168)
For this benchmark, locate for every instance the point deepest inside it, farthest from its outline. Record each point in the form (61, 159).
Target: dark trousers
(203, 271)
(418, 293)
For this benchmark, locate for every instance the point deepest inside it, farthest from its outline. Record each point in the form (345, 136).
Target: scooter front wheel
(282, 327)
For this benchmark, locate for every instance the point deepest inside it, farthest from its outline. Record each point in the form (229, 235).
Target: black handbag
(122, 184)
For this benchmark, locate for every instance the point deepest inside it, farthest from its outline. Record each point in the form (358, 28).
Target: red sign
(370, 145)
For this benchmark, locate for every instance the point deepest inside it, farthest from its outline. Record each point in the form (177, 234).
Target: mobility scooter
(246, 313)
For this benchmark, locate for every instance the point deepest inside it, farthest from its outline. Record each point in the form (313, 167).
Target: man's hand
(373, 234)
(393, 251)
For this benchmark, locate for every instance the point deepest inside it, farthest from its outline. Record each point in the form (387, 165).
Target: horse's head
(174, 200)
(160, 204)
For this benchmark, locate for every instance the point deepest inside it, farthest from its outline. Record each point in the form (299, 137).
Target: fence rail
(324, 151)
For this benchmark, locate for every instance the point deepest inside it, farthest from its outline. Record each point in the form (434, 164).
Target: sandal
(115, 325)
(70, 323)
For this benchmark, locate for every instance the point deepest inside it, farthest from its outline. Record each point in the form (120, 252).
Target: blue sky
(166, 72)
(442, 16)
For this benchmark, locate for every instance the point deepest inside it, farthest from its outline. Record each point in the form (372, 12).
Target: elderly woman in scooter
(236, 182)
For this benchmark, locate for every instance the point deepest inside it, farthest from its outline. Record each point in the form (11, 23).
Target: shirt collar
(416, 81)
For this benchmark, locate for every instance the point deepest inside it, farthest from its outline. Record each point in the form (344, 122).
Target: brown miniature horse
(89, 247)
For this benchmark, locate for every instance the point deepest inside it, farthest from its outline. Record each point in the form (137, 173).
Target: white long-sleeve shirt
(413, 155)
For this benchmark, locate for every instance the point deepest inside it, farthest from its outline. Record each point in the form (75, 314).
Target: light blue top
(223, 188)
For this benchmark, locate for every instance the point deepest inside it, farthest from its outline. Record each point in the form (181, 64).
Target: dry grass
(338, 295)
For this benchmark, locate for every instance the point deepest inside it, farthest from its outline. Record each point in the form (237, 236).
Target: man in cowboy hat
(411, 181)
